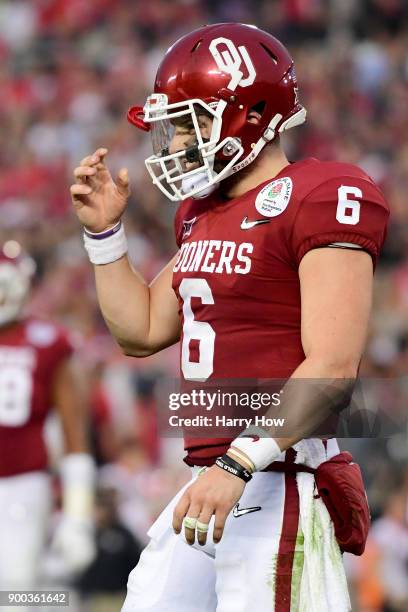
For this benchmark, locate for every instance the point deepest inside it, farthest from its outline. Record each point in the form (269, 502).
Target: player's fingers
(79, 189)
(84, 171)
(98, 158)
(202, 524)
(180, 512)
(95, 158)
(219, 524)
(123, 182)
(101, 152)
(190, 522)
(89, 160)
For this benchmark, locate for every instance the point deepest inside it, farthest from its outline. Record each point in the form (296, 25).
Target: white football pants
(256, 566)
(25, 502)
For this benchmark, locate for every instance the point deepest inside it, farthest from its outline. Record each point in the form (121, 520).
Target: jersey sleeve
(348, 212)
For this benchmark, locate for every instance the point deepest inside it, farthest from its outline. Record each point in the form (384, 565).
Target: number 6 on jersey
(196, 330)
(345, 204)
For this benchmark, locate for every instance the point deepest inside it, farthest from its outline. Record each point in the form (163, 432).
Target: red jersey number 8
(15, 395)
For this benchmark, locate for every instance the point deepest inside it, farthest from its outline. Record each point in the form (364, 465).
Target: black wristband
(233, 467)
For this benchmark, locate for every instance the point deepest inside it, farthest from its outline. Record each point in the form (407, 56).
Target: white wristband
(259, 447)
(103, 250)
(78, 477)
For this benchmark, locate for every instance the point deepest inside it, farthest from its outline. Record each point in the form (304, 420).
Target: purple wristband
(105, 234)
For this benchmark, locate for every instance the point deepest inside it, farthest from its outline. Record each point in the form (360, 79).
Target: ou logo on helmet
(231, 60)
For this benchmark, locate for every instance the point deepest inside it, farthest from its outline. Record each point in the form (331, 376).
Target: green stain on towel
(316, 531)
(297, 570)
(296, 577)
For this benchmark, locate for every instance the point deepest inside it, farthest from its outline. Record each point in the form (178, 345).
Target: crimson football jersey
(30, 353)
(236, 276)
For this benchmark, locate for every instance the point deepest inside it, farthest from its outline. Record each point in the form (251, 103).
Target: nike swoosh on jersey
(245, 224)
(237, 511)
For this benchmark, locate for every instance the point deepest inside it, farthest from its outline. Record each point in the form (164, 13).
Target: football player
(272, 279)
(37, 375)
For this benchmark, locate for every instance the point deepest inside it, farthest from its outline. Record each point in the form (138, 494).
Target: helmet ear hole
(259, 107)
(255, 112)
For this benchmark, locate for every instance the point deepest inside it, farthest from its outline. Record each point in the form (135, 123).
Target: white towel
(323, 586)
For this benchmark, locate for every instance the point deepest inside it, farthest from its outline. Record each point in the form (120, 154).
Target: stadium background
(68, 71)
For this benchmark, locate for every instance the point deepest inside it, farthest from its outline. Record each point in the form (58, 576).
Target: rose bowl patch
(273, 199)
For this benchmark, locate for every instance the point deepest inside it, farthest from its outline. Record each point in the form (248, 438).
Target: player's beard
(231, 181)
(227, 185)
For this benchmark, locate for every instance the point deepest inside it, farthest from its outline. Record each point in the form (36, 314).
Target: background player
(37, 376)
(313, 322)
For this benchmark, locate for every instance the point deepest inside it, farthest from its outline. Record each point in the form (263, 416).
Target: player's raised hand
(99, 201)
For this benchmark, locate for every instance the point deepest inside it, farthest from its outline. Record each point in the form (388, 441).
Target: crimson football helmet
(223, 71)
(16, 271)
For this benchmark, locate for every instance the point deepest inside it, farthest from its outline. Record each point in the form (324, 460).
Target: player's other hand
(74, 542)
(99, 201)
(213, 492)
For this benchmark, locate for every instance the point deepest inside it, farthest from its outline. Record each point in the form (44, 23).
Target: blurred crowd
(69, 69)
